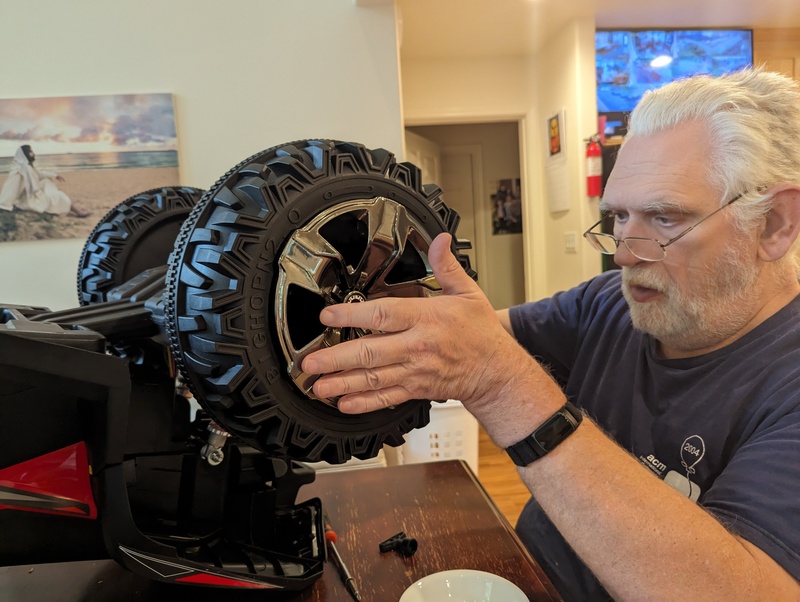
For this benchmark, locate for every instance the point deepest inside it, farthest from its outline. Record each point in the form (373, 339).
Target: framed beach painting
(66, 161)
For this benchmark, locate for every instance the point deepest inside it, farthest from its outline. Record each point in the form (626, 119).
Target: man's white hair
(753, 117)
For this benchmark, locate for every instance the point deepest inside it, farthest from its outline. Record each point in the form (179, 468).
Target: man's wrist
(544, 439)
(510, 413)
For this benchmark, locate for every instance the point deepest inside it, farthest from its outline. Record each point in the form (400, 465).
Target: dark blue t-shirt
(722, 428)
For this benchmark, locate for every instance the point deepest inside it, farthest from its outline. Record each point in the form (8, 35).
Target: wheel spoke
(307, 259)
(328, 338)
(421, 287)
(389, 227)
(310, 262)
(417, 281)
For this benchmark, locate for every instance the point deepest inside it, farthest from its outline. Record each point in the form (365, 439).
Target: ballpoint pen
(347, 578)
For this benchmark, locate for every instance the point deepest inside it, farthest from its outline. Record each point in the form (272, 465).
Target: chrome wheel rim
(357, 251)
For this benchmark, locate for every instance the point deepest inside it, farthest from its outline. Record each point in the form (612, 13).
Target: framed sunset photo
(66, 161)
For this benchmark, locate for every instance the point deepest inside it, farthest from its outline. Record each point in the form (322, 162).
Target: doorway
(473, 161)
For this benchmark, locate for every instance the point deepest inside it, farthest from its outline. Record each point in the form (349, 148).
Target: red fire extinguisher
(594, 167)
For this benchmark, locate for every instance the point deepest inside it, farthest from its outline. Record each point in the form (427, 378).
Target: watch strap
(545, 438)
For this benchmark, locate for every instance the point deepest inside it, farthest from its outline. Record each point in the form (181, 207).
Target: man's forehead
(647, 179)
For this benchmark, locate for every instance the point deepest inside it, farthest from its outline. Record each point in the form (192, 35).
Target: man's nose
(623, 256)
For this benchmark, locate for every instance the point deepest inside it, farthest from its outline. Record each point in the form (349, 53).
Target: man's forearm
(641, 538)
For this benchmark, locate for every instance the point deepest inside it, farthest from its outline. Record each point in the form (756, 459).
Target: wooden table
(441, 504)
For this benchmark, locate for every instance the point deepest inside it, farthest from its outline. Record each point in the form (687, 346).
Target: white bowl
(463, 585)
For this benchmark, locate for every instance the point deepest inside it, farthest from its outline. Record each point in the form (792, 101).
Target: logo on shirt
(693, 449)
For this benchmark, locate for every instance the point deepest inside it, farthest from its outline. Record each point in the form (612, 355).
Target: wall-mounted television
(630, 62)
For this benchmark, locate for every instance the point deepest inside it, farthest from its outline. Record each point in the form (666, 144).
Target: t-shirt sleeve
(552, 329)
(757, 495)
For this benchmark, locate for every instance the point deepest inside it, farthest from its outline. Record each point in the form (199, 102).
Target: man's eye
(664, 221)
(619, 218)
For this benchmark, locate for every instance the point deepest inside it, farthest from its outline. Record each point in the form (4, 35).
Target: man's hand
(447, 347)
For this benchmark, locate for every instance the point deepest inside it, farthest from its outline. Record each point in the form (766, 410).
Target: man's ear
(782, 224)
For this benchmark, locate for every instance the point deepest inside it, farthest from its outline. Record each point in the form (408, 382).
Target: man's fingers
(451, 276)
(396, 314)
(380, 315)
(366, 352)
(382, 369)
(360, 380)
(361, 403)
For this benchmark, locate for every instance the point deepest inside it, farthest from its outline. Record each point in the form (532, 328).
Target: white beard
(715, 308)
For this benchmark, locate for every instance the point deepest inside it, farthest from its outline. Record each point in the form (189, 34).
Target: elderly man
(654, 412)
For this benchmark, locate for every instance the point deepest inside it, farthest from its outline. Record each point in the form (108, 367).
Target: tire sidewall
(105, 259)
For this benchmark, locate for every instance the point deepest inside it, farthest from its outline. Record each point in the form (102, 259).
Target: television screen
(628, 63)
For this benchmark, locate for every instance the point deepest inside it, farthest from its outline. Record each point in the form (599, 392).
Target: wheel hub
(354, 297)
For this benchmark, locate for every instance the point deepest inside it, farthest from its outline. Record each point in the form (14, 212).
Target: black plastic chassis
(162, 510)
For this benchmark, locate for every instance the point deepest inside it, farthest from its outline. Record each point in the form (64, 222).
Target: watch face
(553, 432)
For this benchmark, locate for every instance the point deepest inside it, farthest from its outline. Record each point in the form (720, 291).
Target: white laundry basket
(451, 434)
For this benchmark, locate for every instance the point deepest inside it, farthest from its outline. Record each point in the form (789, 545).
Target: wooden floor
(499, 477)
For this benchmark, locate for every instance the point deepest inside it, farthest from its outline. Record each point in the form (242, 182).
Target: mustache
(644, 278)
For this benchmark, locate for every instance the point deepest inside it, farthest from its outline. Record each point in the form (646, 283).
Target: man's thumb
(451, 276)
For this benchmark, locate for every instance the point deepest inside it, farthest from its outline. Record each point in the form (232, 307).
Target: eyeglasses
(646, 249)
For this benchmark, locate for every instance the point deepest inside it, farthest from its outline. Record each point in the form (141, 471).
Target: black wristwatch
(545, 438)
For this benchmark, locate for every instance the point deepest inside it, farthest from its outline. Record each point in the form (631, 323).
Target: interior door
(459, 194)
(426, 155)
(452, 171)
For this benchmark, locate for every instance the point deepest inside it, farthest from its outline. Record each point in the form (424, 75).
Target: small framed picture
(554, 127)
(506, 203)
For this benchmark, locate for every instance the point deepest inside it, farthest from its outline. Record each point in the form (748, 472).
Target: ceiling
(495, 28)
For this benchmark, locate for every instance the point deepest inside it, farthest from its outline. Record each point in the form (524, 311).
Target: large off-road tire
(280, 236)
(136, 235)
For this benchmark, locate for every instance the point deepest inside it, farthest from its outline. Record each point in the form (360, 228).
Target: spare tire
(280, 236)
(136, 235)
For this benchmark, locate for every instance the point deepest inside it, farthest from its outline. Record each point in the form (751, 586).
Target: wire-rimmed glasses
(646, 249)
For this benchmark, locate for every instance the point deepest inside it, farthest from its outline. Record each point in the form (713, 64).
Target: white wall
(463, 90)
(246, 75)
(561, 76)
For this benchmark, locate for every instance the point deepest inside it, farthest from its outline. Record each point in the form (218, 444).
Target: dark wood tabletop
(441, 504)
